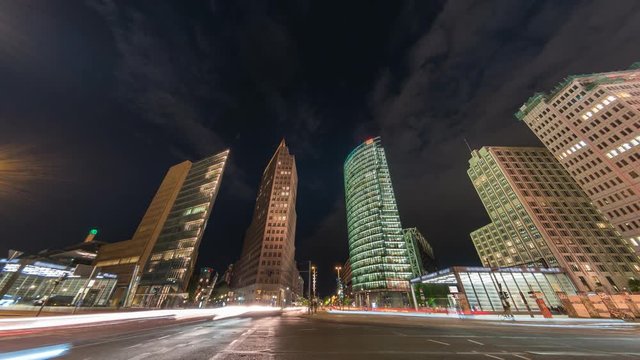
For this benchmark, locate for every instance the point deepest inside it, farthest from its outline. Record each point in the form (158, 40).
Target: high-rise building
(345, 279)
(266, 272)
(421, 254)
(161, 254)
(380, 264)
(540, 217)
(207, 280)
(591, 124)
(228, 274)
(172, 259)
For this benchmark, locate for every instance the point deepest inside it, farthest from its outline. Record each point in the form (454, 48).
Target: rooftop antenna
(467, 143)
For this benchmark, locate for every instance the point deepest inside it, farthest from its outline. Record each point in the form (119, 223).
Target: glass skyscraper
(171, 261)
(377, 250)
(420, 252)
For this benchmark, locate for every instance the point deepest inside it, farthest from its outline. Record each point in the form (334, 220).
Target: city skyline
(101, 98)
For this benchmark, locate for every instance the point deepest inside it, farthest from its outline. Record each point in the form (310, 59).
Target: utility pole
(340, 291)
(309, 281)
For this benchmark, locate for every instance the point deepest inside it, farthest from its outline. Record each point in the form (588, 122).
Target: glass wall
(481, 285)
(173, 257)
(26, 282)
(377, 250)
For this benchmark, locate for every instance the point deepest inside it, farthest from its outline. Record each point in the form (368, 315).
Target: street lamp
(339, 288)
(314, 275)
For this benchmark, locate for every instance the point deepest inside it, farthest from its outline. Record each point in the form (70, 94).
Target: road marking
(475, 342)
(163, 337)
(133, 346)
(567, 353)
(493, 356)
(521, 357)
(232, 345)
(141, 356)
(439, 342)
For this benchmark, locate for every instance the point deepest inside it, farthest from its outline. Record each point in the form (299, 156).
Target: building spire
(467, 143)
(282, 143)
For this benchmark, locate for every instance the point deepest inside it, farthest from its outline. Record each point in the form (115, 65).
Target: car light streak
(41, 353)
(177, 314)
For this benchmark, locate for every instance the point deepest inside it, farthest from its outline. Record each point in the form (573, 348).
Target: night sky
(99, 98)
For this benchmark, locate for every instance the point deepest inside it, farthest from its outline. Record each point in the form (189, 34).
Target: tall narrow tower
(377, 250)
(266, 272)
(155, 266)
(171, 261)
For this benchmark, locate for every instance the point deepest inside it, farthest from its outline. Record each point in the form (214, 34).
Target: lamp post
(339, 289)
(309, 271)
(314, 275)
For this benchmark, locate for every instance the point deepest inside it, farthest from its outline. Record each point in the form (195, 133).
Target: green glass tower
(377, 250)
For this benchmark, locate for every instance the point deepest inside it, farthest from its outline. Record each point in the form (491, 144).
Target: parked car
(55, 300)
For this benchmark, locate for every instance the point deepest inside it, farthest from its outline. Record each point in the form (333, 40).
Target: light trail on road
(30, 323)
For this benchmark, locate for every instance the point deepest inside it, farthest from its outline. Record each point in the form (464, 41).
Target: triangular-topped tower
(266, 272)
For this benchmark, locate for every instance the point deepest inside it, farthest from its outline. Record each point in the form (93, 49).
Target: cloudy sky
(99, 98)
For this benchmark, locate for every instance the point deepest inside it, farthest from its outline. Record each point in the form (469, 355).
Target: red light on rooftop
(369, 141)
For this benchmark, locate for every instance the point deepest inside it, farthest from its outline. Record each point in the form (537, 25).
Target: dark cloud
(466, 77)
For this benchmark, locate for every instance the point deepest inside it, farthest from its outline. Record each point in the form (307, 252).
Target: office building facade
(266, 272)
(207, 280)
(421, 254)
(591, 124)
(26, 280)
(161, 254)
(172, 259)
(540, 217)
(378, 254)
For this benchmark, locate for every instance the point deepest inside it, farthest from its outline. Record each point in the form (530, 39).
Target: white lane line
(567, 353)
(493, 356)
(163, 337)
(232, 345)
(521, 357)
(133, 346)
(439, 342)
(475, 342)
(141, 356)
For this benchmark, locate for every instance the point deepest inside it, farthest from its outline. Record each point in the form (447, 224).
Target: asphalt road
(329, 336)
